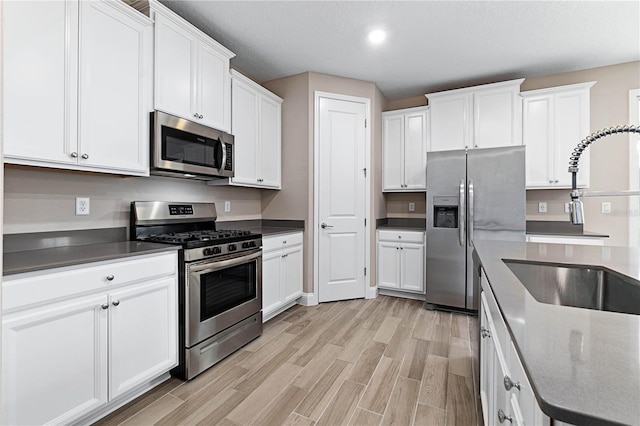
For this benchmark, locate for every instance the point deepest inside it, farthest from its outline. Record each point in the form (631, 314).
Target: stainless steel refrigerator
(471, 195)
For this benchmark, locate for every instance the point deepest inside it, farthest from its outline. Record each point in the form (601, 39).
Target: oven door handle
(215, 265)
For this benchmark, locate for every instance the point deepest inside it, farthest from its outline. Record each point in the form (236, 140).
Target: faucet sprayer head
(576, 211)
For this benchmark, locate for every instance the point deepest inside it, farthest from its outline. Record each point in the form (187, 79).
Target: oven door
(221, 293)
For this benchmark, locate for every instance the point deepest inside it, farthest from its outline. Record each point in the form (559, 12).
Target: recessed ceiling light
(377, 36)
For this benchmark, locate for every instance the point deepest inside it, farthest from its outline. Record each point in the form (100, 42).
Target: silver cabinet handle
(85, 156)
(324, 225)
(508, 383)
(484, 332)
(110, 277)
(502, 417)
(74, 155)
(115, 302)
(105, 306)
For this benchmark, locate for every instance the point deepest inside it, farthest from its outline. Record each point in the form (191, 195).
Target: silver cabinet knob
(201, 116)
(475, 146)
(196, 115)
(324, 225)
(74, 155)
(397, 248)
(110, 277)
(284, 241)
(551, 181)
(105, 306)
(502, 417)
(85, 156)
(556, 181)
(484, 332)
(115, 302)
(508, 383)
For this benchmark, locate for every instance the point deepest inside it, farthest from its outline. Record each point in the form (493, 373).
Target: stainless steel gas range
(220, 286)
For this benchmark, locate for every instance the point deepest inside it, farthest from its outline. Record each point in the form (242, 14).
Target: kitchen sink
(580, 287)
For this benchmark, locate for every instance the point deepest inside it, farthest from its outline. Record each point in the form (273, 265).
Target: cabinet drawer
(281, 241)
(24, 290)
(502, 334)
(401, 236)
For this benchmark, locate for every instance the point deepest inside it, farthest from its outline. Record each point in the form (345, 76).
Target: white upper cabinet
(484, 116)
(191, 71)
(555, 120)
(87, 67)
(256, 125)
(404, 146)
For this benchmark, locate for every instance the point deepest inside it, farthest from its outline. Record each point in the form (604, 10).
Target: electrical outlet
(542, 207)
(227, 206)
(606, 208)
(567, 208)
(82, 206)
(412, 207)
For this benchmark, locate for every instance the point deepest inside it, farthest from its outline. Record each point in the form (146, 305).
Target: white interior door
(341, 198)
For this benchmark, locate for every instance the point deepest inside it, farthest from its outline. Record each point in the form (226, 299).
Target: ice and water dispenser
(445, 212)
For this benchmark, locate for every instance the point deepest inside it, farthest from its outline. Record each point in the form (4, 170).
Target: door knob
(324, 225)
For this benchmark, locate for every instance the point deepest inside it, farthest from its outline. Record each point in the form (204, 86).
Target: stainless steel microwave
(182, 148)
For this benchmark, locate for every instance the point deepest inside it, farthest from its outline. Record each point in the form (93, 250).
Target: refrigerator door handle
(470, 239)
(461, 210)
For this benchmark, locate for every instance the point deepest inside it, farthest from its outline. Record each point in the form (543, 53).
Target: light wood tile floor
(358, 362)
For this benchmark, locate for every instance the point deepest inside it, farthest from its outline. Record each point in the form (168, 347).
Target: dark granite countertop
(593, 381)
(266, 227)
(410, 224)
(560, 229)
(17, 262)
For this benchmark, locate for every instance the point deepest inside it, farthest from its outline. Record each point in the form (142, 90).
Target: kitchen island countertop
(583, 365)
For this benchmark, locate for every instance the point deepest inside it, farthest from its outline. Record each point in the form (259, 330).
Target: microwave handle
(224, 154)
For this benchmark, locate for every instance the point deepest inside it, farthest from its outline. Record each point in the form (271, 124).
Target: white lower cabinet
(67, 357)
(401, 260)
(281, 272)
(505, 393)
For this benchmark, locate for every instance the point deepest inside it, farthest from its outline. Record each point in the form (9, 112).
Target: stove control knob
(231, 247)
(246, 245)
(207, 252)
(217, 250)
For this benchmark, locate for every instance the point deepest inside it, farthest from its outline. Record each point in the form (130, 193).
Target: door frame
(369, 292)
(634, 170)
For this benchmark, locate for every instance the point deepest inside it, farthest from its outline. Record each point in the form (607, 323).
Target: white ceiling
(431, 45)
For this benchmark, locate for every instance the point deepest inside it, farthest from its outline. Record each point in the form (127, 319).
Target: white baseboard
(403, 294)
(308, 299)
(371, 293)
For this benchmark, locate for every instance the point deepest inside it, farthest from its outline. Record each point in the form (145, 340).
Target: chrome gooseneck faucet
(576, 208)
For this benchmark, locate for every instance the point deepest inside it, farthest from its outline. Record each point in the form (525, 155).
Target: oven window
(225, 289)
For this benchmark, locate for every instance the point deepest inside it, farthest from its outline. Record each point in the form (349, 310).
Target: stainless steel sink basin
(580, 287)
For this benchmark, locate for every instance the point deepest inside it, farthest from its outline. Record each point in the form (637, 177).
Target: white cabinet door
(412, 267)
(175, 56)
(115, 87)
(142, 334)
(213, 88)
(388, 265)
(415, 151)
(487, 354)
(571, 127)
(537, 138)
(40, 74)
(292, 274)
(270, 141)
(451, 122)
(393, 152)
(245, 129)
(497, 120)
(54, 362)
(271, 277)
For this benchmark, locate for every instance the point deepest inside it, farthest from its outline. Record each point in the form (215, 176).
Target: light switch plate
(567, 208)
(606, 208)
(412, 207)
(227, 206)
(542, 207)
